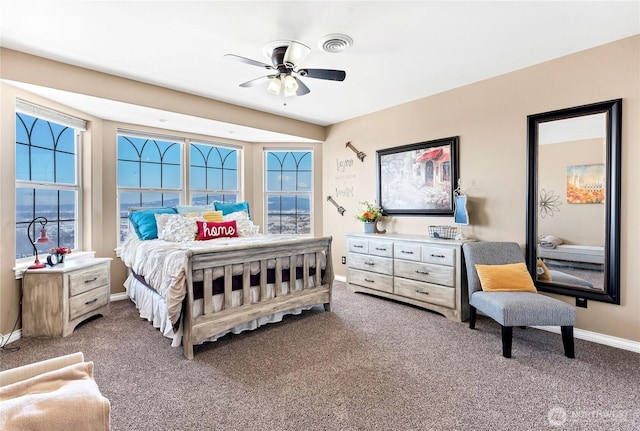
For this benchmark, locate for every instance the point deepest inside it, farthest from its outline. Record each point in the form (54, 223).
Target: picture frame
(418, 179)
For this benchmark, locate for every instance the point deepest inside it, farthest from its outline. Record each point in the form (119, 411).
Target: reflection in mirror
(573, 201)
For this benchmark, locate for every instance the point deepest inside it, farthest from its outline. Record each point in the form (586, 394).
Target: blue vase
(368, 227)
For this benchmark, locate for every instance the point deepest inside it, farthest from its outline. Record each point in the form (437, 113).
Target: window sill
(22, 266)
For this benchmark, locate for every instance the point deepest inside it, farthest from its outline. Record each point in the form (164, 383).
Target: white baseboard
(340, 278)
(16, 335)
(607, 340)
(119, 296)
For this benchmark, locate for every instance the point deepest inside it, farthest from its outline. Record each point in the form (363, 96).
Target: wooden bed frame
(201, 265)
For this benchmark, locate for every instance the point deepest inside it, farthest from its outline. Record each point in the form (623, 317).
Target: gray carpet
(371, 364)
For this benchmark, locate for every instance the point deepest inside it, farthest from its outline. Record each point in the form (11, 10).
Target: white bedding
(163, 263)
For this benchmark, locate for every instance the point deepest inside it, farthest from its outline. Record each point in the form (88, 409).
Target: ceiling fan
(286, 56)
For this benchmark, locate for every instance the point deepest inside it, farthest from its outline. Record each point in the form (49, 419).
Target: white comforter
(163, 263)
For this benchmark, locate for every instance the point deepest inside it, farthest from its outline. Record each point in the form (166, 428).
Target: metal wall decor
(360, 154)
(340, 208)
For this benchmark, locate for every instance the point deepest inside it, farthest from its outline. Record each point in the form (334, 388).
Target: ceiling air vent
(333, 43)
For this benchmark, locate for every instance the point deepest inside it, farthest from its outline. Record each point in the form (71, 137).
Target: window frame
(310, 193)
(78, 128)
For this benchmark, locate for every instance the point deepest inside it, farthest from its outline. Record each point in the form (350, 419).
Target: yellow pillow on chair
(504, 278)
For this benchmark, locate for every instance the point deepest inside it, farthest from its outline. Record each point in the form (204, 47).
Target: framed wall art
(418, 179)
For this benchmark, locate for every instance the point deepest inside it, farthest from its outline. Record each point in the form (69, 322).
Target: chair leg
(472, 317)
(567, 341)
(507, 332)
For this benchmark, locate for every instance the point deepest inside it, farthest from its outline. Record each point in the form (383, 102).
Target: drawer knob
(91, 302)
(406, 252)
(92, 280)
(441, 256)
(422, 272)
(424, 292)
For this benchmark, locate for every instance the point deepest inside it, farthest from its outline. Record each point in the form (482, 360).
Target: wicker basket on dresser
(414, 269)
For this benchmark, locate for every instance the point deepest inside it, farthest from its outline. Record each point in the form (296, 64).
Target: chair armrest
(24, 372)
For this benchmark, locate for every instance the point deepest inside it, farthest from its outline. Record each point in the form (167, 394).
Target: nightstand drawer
(88, 301)
(87, 279)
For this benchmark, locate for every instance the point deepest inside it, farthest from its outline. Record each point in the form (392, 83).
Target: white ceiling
(402, 51)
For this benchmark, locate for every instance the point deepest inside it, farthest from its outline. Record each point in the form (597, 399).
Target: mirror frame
(613, 111)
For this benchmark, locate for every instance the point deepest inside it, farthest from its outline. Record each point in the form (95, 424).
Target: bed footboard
(306, 263)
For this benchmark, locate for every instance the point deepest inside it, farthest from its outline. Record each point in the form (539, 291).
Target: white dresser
(415, 269)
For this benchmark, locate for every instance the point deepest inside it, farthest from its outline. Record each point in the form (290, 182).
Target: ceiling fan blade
(296, 52)
(256, 81)
(248, 61)
(302, 89)
(330, 74)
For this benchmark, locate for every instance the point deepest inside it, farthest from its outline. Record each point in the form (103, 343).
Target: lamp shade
(290, 86)
(274, 86)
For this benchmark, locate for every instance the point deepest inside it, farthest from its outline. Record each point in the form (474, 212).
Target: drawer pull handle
(421, 272)
(381, 249)
(406, 252)
(91, 302)
(369, 280)
(424, 292)
(92, 280)
(369, 263)
(441, 256)
(358, 246)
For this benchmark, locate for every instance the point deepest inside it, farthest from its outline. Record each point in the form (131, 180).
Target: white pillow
(178, 228)
(243, 224)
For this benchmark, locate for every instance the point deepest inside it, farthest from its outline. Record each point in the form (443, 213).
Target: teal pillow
(232, 207)
(187, 209)
(144, 222)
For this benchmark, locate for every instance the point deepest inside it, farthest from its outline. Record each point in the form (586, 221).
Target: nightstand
(56, 299)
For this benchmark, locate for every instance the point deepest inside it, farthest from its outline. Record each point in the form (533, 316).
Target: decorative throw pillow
(543, 271)
(144, 222)
(211, 229)
(502, 278)
(245, 226)
(178, 228)
(212, 216)
(231, 207)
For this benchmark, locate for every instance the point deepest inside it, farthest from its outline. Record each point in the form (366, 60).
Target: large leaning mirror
(573, 201)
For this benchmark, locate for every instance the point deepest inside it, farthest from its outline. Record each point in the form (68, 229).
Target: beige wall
(490, 117)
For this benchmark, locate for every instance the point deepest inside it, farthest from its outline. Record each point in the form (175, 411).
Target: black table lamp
(42, 239)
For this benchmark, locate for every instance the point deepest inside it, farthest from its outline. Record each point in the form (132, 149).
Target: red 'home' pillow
(213, 229)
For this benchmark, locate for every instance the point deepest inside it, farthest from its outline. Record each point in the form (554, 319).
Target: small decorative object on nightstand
(56, 299)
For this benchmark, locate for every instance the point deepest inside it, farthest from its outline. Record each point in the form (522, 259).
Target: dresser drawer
(407, 251)
(439, 255)
(430, 273)
(87, 279)
(88, 301)
(381, 265)
(426, 292)
(359, 246)
(381, 248)
(371, 280)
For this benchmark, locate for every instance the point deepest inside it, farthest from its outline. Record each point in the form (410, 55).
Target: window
(213, 174)
(149, 174)
(288, 191)
(151, 168)
(47, 180)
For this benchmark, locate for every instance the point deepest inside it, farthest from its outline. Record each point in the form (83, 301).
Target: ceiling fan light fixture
(296, 52)
(290, 86)
(274, 86)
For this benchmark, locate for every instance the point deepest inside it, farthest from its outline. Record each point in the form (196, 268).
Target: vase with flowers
(369, 216)
(60, 252)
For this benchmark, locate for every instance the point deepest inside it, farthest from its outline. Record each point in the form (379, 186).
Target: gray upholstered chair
(511, 309)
